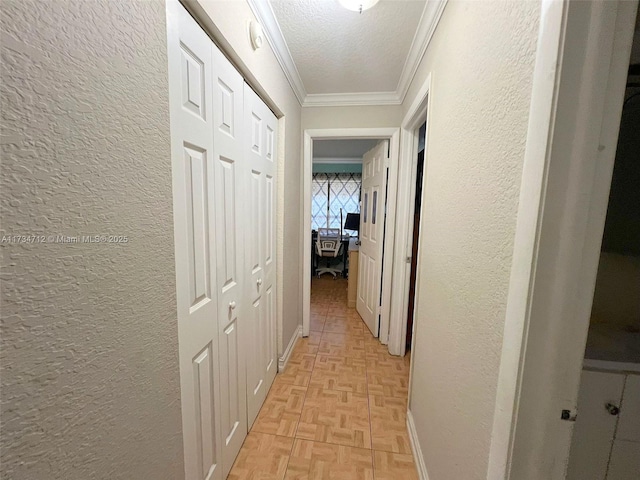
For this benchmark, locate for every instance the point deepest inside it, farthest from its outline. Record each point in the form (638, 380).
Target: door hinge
(568, 415)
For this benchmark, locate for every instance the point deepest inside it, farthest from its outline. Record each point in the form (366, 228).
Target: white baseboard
(282, 361)
(415, 448)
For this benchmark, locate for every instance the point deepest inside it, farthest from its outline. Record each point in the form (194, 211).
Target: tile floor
(338, 411)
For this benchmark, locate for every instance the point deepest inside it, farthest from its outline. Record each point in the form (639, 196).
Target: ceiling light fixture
(358, 5)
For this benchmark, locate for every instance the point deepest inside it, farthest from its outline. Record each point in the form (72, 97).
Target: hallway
(338, 411)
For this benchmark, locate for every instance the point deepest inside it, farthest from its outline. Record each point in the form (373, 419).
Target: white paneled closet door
(233, 310)
(223, 140)
(261, 135)
(190, 85)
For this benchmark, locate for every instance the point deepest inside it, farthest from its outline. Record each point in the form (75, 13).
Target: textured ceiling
(339, 51)
(349, 150)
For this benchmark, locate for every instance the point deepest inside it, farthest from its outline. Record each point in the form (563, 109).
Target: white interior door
(261, 134)
(190, 80)
(233, 310)
(372, 215)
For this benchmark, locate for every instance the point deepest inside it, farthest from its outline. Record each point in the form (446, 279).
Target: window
(332, 192)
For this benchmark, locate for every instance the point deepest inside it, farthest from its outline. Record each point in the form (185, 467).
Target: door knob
(259, 281)
(612, 409)
(232, 305)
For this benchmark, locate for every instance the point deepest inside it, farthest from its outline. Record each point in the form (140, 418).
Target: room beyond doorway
(348, 211)
(392, 152)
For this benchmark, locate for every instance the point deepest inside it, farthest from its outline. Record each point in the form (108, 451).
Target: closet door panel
(192, 158)
(227, 87)
(224, 143)
(261, 147)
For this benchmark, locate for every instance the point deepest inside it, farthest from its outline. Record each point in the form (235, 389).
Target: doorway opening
(349, 193)
(336, 203)
(415, 235)
(348, 207)
(606, 438)
(579, 81)
(408, 212)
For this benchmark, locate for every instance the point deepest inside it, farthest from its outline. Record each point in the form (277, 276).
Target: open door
(374, 190)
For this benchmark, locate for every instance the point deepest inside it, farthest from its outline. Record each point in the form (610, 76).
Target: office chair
(328, 245)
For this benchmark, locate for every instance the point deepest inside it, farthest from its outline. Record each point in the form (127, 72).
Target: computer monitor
(352, 222)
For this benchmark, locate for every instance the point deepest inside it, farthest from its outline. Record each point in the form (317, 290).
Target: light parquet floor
(338, 411)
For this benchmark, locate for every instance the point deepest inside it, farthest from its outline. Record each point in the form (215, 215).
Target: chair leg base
(332, 271)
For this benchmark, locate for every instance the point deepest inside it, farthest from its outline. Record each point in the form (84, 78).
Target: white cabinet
(606, 438)
(625, 461)
(629, 425)
(595, 427)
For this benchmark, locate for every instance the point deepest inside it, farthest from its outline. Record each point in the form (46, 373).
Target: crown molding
(264, 13)
(342, 160)
(351, 99)
(426, 28)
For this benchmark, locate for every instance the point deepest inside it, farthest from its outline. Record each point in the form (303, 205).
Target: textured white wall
(90, 382)
(369, 116)
(262, 69)
(481, 60)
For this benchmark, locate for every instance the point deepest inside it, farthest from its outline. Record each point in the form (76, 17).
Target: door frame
(405, 209)
(577, 93)
(391, 134)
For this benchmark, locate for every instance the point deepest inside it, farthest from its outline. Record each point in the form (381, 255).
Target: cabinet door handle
(232, 305)
(612, 409)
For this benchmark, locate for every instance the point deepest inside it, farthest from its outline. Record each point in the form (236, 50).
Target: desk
(352, 288)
